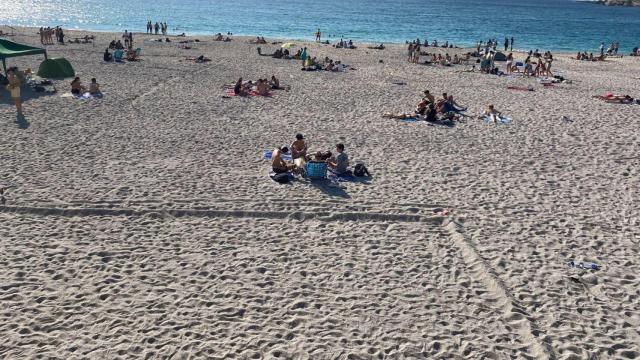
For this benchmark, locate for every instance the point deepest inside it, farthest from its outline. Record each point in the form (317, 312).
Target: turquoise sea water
(543, 24)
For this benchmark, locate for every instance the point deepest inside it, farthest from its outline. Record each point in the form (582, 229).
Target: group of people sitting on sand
(220, 37)
(258, 40)
(260, 87)
(344, 44)
(583, 56)
(434, 43)
(119, 55)
(83, 40)
(280, 53)
(78, 89)
(338, 163)
(432, 110)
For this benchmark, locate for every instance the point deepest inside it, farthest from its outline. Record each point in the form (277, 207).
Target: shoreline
(306, 40)
(117, 36)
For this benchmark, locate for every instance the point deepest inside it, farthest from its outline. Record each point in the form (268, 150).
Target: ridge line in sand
(482, 271)
(160, 213)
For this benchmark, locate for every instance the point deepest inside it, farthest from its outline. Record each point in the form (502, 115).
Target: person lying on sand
(399, 116)
(278, 165)
(76, 87)
(618, 99)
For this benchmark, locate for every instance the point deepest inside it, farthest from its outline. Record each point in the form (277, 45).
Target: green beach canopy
(56, 68)
(9, 49)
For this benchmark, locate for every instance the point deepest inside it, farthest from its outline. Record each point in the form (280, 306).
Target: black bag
(360, 170)
(282, 178)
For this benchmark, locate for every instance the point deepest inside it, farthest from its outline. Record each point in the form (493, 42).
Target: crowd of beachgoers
(472, 188)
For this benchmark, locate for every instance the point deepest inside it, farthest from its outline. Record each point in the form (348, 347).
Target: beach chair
(316, 170)
(117, 55)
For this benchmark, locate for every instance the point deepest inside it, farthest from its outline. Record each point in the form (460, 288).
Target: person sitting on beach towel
(492, 113)
(299, 147)
(262, 87)
(275, 83)
(239, 89)
(341, 162)
(278, 165)
(94, 88)
(76, 87)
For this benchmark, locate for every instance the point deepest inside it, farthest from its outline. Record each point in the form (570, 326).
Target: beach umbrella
(288, 45)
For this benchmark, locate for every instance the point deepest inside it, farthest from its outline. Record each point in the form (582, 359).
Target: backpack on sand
(360, 171)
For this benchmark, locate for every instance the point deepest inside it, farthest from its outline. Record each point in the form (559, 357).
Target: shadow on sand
(22, 121)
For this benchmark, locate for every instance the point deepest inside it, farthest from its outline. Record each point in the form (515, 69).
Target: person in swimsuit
(238, 89)
(278, 165)
(299, 147)
(14, 90)
(509, 63)
(492, 113)
(94, 87)
(76, 87)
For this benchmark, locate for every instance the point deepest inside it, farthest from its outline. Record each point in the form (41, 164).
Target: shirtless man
(429, 97)
(278, 164)
(299, 147)
(492, 113)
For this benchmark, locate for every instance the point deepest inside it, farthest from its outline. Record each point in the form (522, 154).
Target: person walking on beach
(14, 90)
(511, 43)
(318, 33)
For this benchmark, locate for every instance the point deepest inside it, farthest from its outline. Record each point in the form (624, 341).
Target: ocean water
(543, 24)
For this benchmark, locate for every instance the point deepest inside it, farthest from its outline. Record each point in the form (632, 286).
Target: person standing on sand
(601, 49)
(318, 33)
(506, 44)
(511, 43)
(14, 90)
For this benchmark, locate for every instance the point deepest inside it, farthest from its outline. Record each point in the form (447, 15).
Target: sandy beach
(144, 225)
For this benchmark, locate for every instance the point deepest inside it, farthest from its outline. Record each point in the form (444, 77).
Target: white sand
(260, 270)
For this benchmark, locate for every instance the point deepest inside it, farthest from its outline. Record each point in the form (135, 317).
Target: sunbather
(94, 87)
(278, 164)
(262, 87)
(76, 87)
(299, 147)
(239, 88)
(619, 99)
(399, 116)
(275, 83)
(492, 113)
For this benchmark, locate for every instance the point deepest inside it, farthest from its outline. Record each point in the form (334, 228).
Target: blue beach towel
(409, 120)
(269, 153)
(501, 119)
